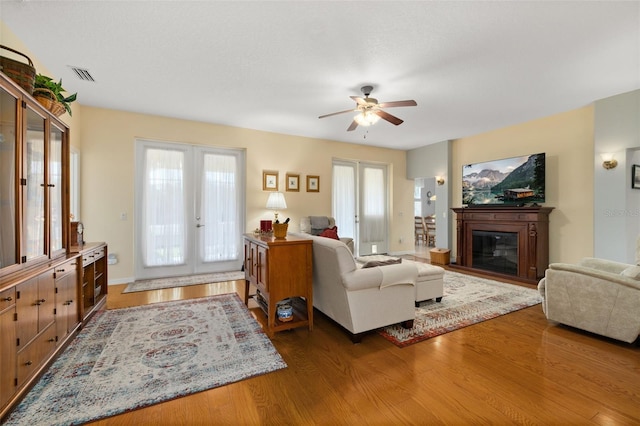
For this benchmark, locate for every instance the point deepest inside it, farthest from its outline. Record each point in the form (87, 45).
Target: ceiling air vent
(82, 74)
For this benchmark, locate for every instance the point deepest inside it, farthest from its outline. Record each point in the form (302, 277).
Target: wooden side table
(280, 269)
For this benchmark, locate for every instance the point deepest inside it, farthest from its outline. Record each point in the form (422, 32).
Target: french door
(360, 204)
(189, 205)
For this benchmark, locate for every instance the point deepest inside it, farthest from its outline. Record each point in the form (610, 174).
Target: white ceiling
(471, 66)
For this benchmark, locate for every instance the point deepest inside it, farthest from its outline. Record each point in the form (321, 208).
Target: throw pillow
(330, 233)
(632, 272)
(374, 263)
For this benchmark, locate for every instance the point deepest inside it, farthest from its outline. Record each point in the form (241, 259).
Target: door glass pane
(55, 188)
(163, 212)
(373, 205)
(8, 243)
(34, 214)
(219, 189)
(344, 199)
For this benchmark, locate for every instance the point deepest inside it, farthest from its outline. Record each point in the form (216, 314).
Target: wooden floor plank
(515, 369)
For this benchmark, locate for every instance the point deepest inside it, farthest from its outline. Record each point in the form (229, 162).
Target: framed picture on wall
(269, 181)
(313, 183)
(293, 182)
(635, 176)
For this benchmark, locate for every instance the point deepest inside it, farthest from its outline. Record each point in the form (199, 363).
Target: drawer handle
(8, 299)
(52, 340)
(59, 270)
(40, 302)
(28, 363)
(68, 302)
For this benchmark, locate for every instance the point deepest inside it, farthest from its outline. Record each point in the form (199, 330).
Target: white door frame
(193, 167)
(361, 247)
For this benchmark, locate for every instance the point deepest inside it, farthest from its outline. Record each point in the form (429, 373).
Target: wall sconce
(439, 180)
(609, 162)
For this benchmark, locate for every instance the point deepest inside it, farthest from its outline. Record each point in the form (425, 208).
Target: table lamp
(276, 202)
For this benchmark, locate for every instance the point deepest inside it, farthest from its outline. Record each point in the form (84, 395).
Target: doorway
(424, 207)
(189, 209)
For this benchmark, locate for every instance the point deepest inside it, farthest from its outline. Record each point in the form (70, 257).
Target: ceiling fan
(370, 111)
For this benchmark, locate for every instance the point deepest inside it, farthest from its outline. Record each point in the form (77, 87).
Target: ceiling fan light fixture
(366, 118)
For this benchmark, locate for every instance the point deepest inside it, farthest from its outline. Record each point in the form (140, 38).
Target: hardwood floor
(515, 369)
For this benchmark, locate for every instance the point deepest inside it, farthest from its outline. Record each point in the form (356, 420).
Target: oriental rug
(125, 359)
(467, 300)
(187, 280)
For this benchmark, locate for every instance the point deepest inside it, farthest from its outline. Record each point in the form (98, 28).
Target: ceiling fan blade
(353, 126)
(390, 118)
(359, 100)
(336, 113)
(398, 104)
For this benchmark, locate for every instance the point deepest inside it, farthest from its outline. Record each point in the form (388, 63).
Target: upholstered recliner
(314, 225)
(596, 295)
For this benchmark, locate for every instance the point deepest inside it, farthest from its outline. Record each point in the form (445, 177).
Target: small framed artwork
(313, 183)
(269, 181)
(293, 182)
(635, 176)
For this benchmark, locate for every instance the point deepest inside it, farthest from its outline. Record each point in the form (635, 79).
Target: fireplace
(504, 241)
(495, 251)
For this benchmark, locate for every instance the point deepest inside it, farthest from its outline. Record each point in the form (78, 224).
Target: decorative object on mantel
(23, 74)
(50, 95)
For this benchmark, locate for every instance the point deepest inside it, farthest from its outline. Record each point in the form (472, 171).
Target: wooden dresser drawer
(66, 269)
(32, 357)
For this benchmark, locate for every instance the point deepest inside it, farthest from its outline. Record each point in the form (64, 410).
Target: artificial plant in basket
(47, 87)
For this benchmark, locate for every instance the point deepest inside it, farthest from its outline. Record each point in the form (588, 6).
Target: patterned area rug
(467, 300)
(172, 282)
(126, 359)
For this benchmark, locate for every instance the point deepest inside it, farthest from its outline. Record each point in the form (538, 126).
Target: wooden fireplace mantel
(531, 224)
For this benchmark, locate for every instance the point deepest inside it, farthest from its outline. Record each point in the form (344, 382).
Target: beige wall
(107, 140)
(567, 140)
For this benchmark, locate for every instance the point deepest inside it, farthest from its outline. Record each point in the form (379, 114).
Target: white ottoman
(430, 283)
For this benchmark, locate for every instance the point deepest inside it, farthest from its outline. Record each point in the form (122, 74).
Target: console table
(497, 240)
(280, 269)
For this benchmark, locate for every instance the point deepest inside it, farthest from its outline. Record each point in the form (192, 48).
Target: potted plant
(49, 94)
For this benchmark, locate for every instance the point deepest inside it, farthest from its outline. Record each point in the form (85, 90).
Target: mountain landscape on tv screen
(517, 180)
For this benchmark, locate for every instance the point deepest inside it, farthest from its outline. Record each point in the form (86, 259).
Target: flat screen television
(510, 181)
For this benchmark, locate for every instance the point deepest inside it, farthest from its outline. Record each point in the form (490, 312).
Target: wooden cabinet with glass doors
(40, 279)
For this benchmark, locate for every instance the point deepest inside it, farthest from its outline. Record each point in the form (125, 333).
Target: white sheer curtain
(373, 205)
(189, 209)
(344, 199)
(163, 208)
(219, 195)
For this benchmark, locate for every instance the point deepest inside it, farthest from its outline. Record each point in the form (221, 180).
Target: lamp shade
(276, 201)
(366, 118)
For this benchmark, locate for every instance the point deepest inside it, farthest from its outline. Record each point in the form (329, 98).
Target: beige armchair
(596, 295)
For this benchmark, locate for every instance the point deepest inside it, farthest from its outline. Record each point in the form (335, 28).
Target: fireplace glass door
(496, 251)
